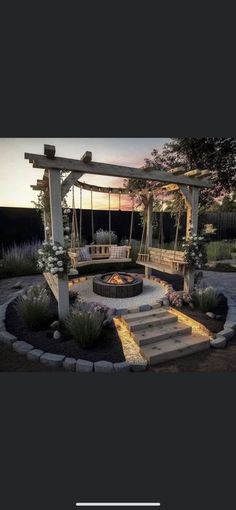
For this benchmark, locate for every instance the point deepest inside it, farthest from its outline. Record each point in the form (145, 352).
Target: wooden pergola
(187, 183)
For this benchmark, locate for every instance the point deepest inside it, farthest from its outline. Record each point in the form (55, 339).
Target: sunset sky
(16, 174)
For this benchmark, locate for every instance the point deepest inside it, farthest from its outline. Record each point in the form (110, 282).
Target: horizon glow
(16, 174)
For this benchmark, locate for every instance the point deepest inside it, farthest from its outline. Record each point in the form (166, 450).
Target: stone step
(158, 333)
(143, 315)
(173, 348)
(150, 322)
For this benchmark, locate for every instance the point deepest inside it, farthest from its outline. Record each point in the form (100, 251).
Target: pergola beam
(68, 182)
(104, 169)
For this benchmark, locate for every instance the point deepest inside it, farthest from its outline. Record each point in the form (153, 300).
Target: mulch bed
(214, 325)
(109, 348)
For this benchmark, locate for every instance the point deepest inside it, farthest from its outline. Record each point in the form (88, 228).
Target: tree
(215, 154)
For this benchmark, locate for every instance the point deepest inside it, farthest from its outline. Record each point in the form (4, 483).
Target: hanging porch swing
(160, 259)
(91, 254)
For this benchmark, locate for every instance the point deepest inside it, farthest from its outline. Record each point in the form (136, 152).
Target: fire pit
(117, 285)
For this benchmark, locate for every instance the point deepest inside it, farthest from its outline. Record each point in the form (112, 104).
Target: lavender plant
(20, 259)
(104, 237)
(34, 307)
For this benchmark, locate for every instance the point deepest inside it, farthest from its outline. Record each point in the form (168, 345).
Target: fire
(119, 279)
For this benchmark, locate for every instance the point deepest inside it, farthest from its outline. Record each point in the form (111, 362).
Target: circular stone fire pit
(117, 285)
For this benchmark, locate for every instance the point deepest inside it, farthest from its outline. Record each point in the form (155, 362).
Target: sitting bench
(167, 261)
(100, 254)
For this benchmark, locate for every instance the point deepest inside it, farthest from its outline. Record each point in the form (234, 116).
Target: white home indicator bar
(119, 504)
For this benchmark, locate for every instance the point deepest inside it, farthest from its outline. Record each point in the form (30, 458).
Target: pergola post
(58, 237)
(149, 213)
(191, 229)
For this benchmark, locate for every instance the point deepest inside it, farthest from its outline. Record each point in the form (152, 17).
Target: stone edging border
(71, 364)
(222, 338)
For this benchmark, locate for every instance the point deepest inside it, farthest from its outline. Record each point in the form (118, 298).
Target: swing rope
(80, 216)
(143, 244)
(92, 218)
(109, 214)
(177, 228)
(131, 222)
(74, 226)
(161, 230)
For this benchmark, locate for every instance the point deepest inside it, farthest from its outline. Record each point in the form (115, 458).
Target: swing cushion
(85, 254)
(118, 252)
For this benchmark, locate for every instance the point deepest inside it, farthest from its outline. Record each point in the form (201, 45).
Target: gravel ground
(151, 293)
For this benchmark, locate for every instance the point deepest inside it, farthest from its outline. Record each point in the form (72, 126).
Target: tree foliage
(215, 154)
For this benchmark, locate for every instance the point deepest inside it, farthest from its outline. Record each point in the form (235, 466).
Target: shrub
(219, 250)
(85, 324)
(20, 260)
(103, 237)
(206, 299)
(34, 307)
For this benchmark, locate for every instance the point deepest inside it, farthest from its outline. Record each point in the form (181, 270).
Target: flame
(119, 279)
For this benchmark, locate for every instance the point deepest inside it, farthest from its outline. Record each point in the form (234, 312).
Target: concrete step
(155, 334)
(148, 322)
(143, 315)
(173, 348)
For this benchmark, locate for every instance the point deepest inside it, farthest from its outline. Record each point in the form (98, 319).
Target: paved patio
(225, 282)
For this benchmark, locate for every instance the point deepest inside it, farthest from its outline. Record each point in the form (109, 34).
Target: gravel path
(7, 284)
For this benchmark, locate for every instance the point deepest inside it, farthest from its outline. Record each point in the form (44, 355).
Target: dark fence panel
(224, 222)
(18, 224)
(24, 224)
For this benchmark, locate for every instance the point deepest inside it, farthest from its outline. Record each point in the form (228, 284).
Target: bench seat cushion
(118, 252)
(84, 254)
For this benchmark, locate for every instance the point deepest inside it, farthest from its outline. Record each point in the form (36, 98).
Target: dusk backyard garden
(118, 255)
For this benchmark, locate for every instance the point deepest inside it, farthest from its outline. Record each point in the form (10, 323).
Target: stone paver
(69, 364)
(35, 354)
(103, 366)
(219, 342)
(83, 365)
(7, 338)
(52, 360)
(22, 347)
(123, 366)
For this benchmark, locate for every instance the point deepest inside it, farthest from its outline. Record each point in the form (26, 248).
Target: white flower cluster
(193, 250)
(52, 258)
